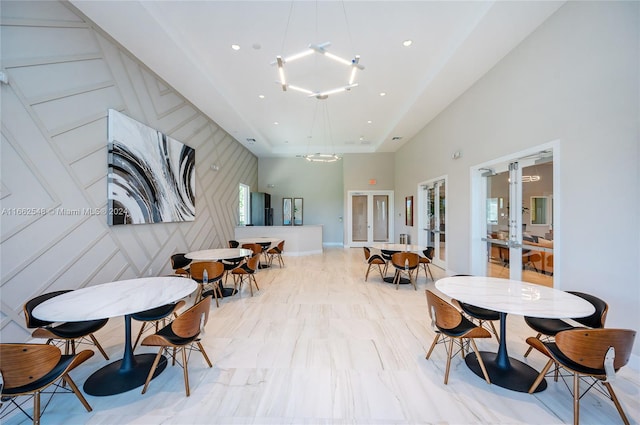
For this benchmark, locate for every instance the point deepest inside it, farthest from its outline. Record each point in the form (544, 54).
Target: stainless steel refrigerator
(261, 211)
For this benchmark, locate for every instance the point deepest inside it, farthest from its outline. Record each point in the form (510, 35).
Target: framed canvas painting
(151, 177)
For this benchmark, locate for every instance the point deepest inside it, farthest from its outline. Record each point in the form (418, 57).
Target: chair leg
(615, 400)
(366, 276)
(433, 344)
(185, 371)
(135, 344)
(413, 282)
(152, 371)
(98, 346)
(576, 399)
(449, 353)
(430, 274)
(484, 370)
(76, 391)
(530, 347)
(204, 353)
(540, 377)
(495, 332)
(36, 408)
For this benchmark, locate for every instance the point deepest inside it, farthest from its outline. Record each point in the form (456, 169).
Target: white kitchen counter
(299, 240)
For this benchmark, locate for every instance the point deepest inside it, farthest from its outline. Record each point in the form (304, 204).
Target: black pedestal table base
(114, 379)
(518, 376)
(403, 280)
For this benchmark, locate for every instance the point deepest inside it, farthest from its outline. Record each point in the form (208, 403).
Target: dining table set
(126, 298)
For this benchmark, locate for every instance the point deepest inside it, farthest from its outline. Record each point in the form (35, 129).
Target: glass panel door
(380, 218)
(432, 219)
(359, 221)
(369, 215)
(519, 219)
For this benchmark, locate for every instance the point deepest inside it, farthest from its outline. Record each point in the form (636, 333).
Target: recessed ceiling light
(235, 46)
(407, 43)
(276, 122)
(383, 93)
(369, 122)
(261, 96)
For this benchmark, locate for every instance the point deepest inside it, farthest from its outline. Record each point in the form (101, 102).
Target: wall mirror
(539, 210)
(297, 211)
(286, 212)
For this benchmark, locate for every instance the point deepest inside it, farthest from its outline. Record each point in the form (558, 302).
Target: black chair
(182, 334)
(233, 244)
(156, 316)
(482, 315)
(426, 260)
(276, 252)
(30, 369)
(180, 264)
(587, 354)
(373, 260)
(405, 263)
(548, 328)
(69, 333)
(386, 256)
(452, 326)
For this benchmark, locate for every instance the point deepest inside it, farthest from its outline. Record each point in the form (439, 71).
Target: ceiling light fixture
(235, 47)
(407, 43)
(322, 157)
(320, 49)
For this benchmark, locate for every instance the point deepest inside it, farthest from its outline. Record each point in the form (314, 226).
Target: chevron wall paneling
(64, 74)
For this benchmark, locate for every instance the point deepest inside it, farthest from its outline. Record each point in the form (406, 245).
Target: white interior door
(369, 217)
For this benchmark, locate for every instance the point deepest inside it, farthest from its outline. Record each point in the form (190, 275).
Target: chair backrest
(386, 254)
(256, 248)
(597, 319)
(252, 262)
(191, 322)
(234, 244)
(281, 246)
(588, 347)
(32, 322)
(179, 261)
(367, 252)
(400, 259)
(444, 314)
(22, 364)
(428, 252)
(215, 270)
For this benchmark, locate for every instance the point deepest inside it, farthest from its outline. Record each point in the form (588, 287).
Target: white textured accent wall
(64, 75)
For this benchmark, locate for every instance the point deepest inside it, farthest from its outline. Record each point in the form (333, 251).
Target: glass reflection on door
(380, 218)
(435, 211)
(359, 222)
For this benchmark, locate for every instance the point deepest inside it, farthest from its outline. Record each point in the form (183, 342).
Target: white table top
(260, 239)
(399, 247)
(218, 254)
(515, 297)
(114, 299)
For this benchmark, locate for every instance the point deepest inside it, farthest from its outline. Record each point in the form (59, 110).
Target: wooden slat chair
(453, 326)
(405, 263)
(246, 271)
(548, 328)
(156, 317)
(182, 334)
(373, 260)
(215, 272)
(276, 252)
(30, 369)
(587, 353)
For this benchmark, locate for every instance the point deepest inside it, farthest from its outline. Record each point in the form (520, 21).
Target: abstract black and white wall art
(151, 177)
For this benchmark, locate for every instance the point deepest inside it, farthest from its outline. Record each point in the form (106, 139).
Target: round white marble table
(124, 297)
(217, 254)
(511, 297)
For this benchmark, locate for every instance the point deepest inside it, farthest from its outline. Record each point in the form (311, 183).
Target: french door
(432, 219)
(517, 228)
(369, 217)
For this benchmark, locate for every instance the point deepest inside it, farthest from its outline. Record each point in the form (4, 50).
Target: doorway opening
(369, 217)
(432, 218)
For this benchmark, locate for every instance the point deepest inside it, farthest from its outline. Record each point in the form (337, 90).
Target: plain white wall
(575, 79)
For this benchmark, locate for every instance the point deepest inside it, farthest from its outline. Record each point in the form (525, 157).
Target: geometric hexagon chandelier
(321, 49)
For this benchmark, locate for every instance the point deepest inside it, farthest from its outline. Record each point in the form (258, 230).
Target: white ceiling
(188, 44)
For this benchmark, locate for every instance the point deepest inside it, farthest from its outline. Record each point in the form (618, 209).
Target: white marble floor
(317, 344)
